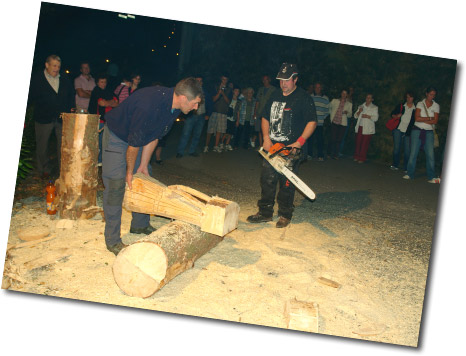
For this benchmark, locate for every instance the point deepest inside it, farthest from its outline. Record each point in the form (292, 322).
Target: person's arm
(267, 142)
(427, 120)
(82, 93)
(147, 151)
(131, 155)
(308, 131)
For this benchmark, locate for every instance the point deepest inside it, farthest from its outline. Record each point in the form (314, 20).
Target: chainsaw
(280, 158)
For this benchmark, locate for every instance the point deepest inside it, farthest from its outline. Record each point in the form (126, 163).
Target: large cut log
(213, 214)
(145, 266)
(77, 185)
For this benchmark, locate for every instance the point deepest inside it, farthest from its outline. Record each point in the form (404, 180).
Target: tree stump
(145, 266)
(77, 185)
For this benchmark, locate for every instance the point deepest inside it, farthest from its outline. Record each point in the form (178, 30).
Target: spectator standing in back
(340, 110)
(321, 103)
(84, 84)
(367, 115)
(263, 95)
(51, 94)
(245, 118)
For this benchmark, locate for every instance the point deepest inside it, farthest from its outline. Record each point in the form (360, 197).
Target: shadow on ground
(329, 206)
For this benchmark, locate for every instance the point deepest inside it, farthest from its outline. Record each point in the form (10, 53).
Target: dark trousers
(337, 135)
(317, 136)
(243, 135)
(362, 145)
(114, 178)
(43, 133)
(285, 197)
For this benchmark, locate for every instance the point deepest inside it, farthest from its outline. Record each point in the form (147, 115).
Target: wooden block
(302, 316)
(33, 233)
(328, 282)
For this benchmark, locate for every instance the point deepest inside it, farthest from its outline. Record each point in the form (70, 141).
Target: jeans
(428, 149)
(101, 125)
(318, 135)
(400, 139)
(114, 178)
(285, 197)
(194, 125)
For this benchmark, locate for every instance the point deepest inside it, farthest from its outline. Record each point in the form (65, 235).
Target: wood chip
(33, 233)
(29, 243)
(65, 224)
(328, 282)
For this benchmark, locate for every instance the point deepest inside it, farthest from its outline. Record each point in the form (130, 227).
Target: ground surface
(369, 230)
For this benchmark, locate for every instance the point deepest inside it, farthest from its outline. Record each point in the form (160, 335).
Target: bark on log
(144, 267)
(77, 185)
(213, 214)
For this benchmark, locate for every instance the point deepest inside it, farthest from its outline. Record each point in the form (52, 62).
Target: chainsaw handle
(284, 148)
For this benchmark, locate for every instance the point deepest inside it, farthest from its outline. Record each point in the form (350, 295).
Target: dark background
(137, 45)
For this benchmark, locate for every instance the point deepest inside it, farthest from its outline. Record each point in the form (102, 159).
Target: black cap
(287, 70)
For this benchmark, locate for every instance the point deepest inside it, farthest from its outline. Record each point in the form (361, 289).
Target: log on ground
(145, 266)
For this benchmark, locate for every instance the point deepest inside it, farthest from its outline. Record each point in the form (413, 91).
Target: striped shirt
(322, 104)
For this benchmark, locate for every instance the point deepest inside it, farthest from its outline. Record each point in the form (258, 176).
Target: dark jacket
(48, 105)
(397, 111)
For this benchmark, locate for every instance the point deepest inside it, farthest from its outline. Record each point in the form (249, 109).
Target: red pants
(362, 145)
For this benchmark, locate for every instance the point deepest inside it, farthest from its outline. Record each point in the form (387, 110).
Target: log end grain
(140, 268)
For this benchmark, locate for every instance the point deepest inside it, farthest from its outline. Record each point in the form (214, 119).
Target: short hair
(410, 93)
(53, 57)
(84, 62)
(189, 87)
(134, 75)
(429, 89)
(101, 76)
(249, 89)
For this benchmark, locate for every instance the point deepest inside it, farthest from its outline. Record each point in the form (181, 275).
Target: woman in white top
(339, 110)
(367, 114)
(401, 134)
(422, 134)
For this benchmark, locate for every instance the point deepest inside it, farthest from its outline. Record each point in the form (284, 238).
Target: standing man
(218, 120)
(194, 124)
(321, 103)
(132, 132)
(289, 118)
(84, 84)
(263, 96)
(51, 94)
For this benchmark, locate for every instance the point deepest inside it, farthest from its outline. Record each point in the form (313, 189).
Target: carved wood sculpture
(76, 187)
(145, 266)
(213, 214)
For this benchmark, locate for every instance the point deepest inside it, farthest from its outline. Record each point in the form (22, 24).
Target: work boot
(282, 222)
(143, 230)
(258, 218)
(115, 249)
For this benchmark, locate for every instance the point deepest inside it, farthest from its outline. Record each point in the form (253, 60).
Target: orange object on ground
(50, 188)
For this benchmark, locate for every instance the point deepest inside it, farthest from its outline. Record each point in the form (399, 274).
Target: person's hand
(267, 144)
(129, 180)
(237, 124)
(143, 170)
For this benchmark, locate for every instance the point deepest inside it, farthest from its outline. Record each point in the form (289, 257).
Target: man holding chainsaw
(289, 119)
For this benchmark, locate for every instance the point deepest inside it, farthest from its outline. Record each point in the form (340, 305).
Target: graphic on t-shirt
(280, 123)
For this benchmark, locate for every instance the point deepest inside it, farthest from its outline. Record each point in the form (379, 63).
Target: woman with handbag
(422, 134)
(405, 115)
(367, 115)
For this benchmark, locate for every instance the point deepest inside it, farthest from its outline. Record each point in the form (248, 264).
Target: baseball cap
(287, 70)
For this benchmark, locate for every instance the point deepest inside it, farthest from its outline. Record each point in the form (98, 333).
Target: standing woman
(367, 114)
(339, 111)
(403, 131)
(422, 134)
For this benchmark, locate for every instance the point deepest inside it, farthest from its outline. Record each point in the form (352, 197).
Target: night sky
(134, 45)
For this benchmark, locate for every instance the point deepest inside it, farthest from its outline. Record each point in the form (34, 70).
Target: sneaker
(143, 230)
(206, 149)
(217, 149)
(99, 164)
(228, 148)
(282, 222)
(220, 146)
(406, 177)
(434, 180)
(115, 249)
(393, 168)
(258, 218)
(253, 144)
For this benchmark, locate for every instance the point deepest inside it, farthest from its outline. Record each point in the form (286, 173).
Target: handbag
(436, 139)
(393, 123)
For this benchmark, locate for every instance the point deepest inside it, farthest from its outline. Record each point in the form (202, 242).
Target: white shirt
(434, 108)
(406, 117)
(368, 125)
